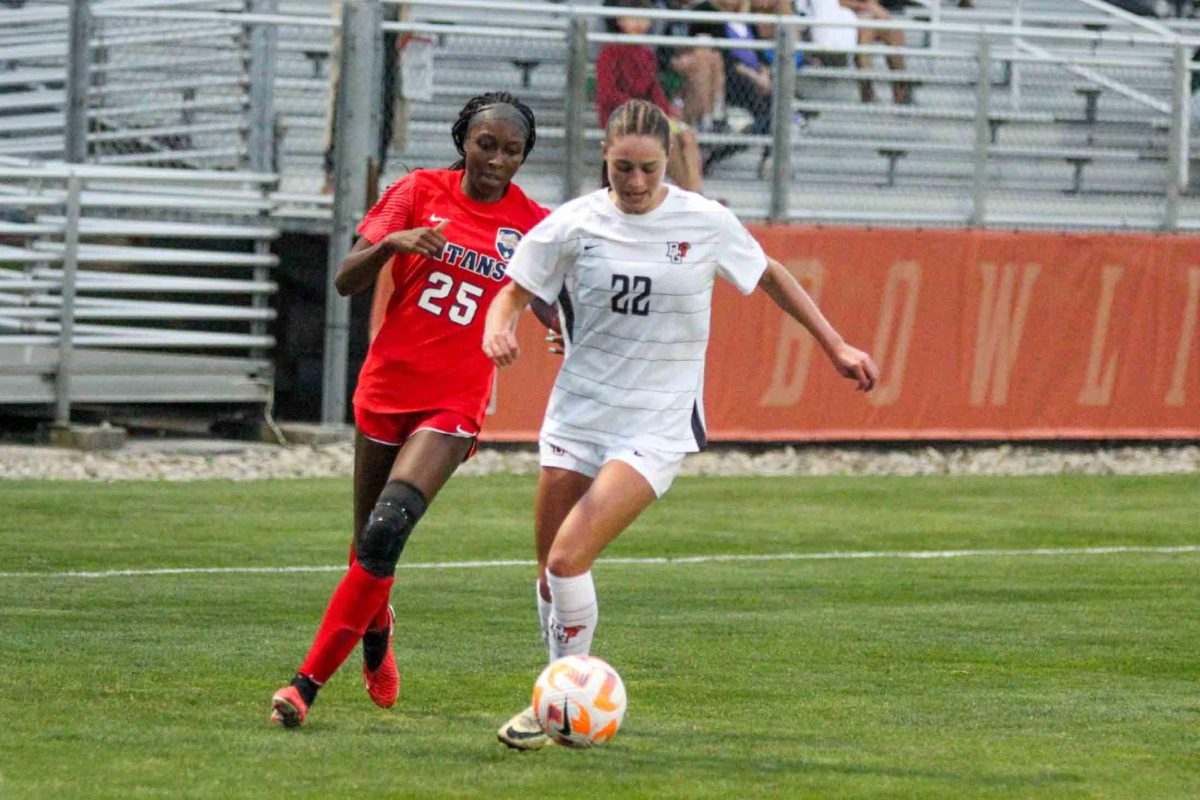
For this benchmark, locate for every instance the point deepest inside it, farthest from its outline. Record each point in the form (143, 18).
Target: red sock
(354, 604)
(381, 618)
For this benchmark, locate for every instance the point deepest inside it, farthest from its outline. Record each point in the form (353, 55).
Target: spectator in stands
(702, 69)
(630, 72)
(840, 37)
(747, 72)
(748, 81)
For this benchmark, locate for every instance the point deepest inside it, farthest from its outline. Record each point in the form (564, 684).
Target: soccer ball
(579, 701)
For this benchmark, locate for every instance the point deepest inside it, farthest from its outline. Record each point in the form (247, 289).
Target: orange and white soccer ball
(579, 701)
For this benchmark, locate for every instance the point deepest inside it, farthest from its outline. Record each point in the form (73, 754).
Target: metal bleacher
(163, 235)
(533, 69)
(171, 283)
(1066, 150)
(207, 126)
(1071, 146)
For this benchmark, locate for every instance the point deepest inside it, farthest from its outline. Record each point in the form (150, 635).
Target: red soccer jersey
(427, 354)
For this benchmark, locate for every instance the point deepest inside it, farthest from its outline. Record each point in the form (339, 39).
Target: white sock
(544, 607)
(573, 616)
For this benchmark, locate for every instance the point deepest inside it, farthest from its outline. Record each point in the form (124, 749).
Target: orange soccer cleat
(383, 682)
(288, 707)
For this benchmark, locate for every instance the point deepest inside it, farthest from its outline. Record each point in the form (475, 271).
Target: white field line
(850, 555)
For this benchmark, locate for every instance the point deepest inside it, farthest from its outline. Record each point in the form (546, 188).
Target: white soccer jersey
(635, 298)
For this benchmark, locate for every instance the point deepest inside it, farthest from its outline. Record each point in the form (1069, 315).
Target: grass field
(996, 675)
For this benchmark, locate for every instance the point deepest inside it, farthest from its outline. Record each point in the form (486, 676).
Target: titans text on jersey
(473, 261)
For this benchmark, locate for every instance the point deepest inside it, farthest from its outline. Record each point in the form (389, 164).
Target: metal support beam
(261, 154)
(66, 336)
(260, 66)
(784, 92)
(1180, 135)
(355, 153)
(1014, 66)
(75, 126)
(402, 115)
(577, 72)
(983, 133)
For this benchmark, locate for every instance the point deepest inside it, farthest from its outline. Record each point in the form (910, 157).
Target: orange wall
(979, 335)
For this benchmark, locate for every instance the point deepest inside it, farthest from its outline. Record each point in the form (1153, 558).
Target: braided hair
(636, 118)
(458, 132)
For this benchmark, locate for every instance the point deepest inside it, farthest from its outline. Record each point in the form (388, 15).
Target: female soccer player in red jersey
(446, 235)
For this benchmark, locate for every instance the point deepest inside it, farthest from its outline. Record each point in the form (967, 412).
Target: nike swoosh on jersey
(434, 218)
(588, 247)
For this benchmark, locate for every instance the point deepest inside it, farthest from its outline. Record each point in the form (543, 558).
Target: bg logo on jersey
(677, 251)
(506, 242)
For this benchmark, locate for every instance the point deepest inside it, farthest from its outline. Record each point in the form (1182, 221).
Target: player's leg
(373, 462)
(557, 493)
(426, 461)
(626, 484)
(567, 472)
(615, 499)
(421, 468)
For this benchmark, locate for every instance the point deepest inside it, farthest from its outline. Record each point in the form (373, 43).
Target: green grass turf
(983, 677)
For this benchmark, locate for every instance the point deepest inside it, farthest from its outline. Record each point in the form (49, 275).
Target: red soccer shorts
(394, 429)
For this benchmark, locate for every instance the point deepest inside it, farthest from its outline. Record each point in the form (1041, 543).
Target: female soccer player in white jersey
(632, 267)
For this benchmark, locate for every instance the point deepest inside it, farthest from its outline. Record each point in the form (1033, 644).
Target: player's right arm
(536, 269)
(500, 327)
(360, 267)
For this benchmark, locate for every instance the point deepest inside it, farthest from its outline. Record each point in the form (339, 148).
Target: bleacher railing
(108, 293)
(1097, 51)
(1079, 118)
(225, 93)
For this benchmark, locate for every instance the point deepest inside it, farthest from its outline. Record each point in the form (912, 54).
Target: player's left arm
(547, 314)
(787, 293)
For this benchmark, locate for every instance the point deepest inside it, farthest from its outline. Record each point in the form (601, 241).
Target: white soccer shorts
(658, 467)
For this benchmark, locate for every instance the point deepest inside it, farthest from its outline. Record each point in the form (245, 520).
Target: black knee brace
(379, 544)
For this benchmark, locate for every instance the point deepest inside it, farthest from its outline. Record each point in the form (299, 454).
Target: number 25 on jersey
(464, 306)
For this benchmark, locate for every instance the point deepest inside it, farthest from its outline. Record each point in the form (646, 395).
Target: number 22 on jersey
(464, 306)
(632, 296)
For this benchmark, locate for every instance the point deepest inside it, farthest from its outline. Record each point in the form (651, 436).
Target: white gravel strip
(188, 460)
